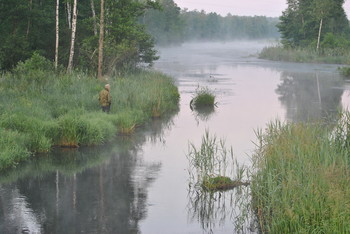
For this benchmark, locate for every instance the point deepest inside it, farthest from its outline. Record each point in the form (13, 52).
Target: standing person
(105, 99)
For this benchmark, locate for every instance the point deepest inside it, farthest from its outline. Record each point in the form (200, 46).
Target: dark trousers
(106, 108)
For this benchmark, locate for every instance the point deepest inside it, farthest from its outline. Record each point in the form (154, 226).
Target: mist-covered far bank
(173, 26)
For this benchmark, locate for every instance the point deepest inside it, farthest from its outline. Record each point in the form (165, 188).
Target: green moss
(221, 183)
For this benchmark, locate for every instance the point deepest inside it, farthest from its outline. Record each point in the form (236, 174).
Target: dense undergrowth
(302, 178)
(41, 109)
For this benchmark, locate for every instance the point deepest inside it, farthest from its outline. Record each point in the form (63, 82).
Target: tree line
(315, 23)
(106, 36)
(173, 25)
(84, 34)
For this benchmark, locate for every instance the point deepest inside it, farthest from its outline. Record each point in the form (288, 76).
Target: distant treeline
(172, 25)
(69, 32)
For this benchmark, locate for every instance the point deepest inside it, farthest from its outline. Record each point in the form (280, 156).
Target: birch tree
(100, 43)
(74, 27)
(57, 33)
(93, 16)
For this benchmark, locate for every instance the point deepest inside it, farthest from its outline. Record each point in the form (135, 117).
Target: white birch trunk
(69, 15)
(319, 35)
(57, 33)
(94, 16)
(74, 27)
(100, 43)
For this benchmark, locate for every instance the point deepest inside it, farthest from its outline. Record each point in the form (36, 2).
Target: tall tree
(74, 28)
(57, 33)
(305, 21)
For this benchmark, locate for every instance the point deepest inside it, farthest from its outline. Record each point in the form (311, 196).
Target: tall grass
(301, 183)
(63, 109)
(304, 55)
(212, 166)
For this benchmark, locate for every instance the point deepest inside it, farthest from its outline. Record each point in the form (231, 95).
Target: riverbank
(301, 182)
(40, 109)
(302, 55)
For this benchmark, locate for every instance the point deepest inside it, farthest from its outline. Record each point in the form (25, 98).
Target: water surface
(139, 184)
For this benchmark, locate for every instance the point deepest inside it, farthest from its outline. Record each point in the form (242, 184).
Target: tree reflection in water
(310, 96)
(100, 189)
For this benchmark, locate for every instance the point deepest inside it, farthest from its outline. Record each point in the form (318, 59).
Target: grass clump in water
(211, 164)
(203, 98)
(301, 184)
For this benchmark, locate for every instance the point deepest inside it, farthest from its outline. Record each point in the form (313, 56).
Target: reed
(212, 165)
(301, 180)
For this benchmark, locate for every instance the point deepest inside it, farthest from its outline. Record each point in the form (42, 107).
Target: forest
(109, 36)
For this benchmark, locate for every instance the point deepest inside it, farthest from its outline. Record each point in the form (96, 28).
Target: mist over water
(139, 184)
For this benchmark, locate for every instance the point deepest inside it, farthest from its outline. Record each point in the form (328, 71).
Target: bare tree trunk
(319, 35)
(100, 43)
(69, 15)
(94, 16)
(57, 33)
(74, 28)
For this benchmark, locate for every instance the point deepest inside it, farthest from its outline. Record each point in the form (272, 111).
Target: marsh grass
(212, 164)
(203, 97)
(345, 71)
(304, 55)
(301, 183)
(63, 109)
(214, 173)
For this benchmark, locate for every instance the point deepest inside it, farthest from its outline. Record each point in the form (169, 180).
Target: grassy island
(41, 109)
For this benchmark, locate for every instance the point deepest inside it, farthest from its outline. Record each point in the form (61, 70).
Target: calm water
(139, 184)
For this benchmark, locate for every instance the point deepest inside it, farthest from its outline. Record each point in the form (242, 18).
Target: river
(140, 184)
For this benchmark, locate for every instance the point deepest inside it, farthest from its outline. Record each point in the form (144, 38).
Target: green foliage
(27, 27)
(301, 182)
(203, 97)
(300, 22)
(36, 68)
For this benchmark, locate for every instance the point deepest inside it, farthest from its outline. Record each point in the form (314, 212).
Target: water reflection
(310, 96)
(203, 113)
(90, 190)
(215, 209)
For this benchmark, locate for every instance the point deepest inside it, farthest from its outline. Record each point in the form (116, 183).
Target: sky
(271, 8)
